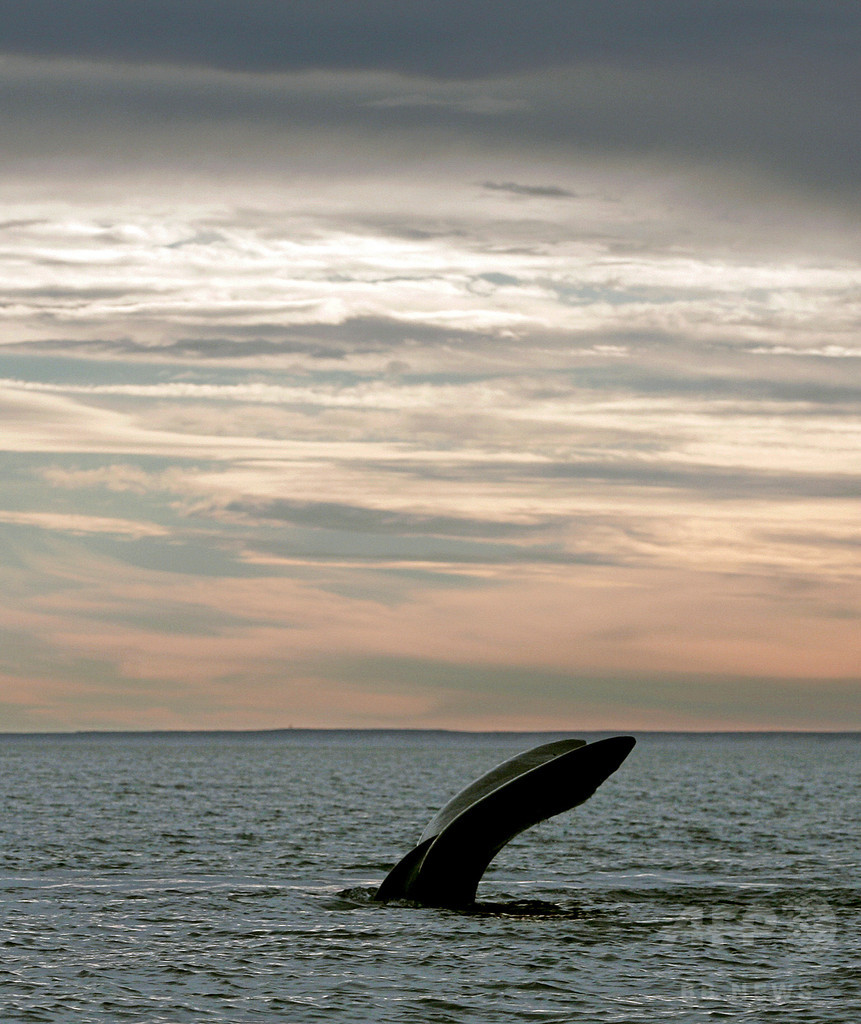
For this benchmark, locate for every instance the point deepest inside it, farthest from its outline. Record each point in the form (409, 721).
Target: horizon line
(289, 729)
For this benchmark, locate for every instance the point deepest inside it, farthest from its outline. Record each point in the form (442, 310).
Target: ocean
(227, 877)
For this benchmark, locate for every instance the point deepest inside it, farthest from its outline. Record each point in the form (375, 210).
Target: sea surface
(227, 877)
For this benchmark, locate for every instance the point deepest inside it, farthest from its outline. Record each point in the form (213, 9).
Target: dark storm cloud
(446, 38)
(759, 84)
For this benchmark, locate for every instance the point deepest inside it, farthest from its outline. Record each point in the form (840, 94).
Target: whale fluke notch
(464, 836)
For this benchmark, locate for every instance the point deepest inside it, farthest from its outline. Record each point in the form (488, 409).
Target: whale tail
(464, 836)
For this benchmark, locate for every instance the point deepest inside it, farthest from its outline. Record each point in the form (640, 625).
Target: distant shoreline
(408, 733)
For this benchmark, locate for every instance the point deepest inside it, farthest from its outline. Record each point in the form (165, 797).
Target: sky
(471, 365)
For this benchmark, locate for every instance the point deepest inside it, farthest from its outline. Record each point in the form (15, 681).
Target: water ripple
(230, 881)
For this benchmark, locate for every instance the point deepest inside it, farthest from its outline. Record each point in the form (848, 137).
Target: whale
(456, 846)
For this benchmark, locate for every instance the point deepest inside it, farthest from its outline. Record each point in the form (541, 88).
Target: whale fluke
(493, 779)
(462, 838)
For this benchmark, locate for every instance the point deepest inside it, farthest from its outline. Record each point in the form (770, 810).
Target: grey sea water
(218, 877)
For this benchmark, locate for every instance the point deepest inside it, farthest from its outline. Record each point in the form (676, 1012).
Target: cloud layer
(466, 365)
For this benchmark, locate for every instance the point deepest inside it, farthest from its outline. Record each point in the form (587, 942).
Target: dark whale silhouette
(462, 838)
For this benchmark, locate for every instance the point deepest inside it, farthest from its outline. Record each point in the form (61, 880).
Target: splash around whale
(463, 837)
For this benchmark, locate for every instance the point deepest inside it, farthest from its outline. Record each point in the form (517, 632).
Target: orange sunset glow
(379, 393)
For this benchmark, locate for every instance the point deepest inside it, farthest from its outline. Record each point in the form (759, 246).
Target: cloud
(332, 285)
(454, 38)
(443, 338)
(358, 518)
(719, 482)
(334, 530)
(536, 191)
(470, 104)
(492, 697)
(728, 117)
(64, 522)
(159, 643)
(117, 477)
